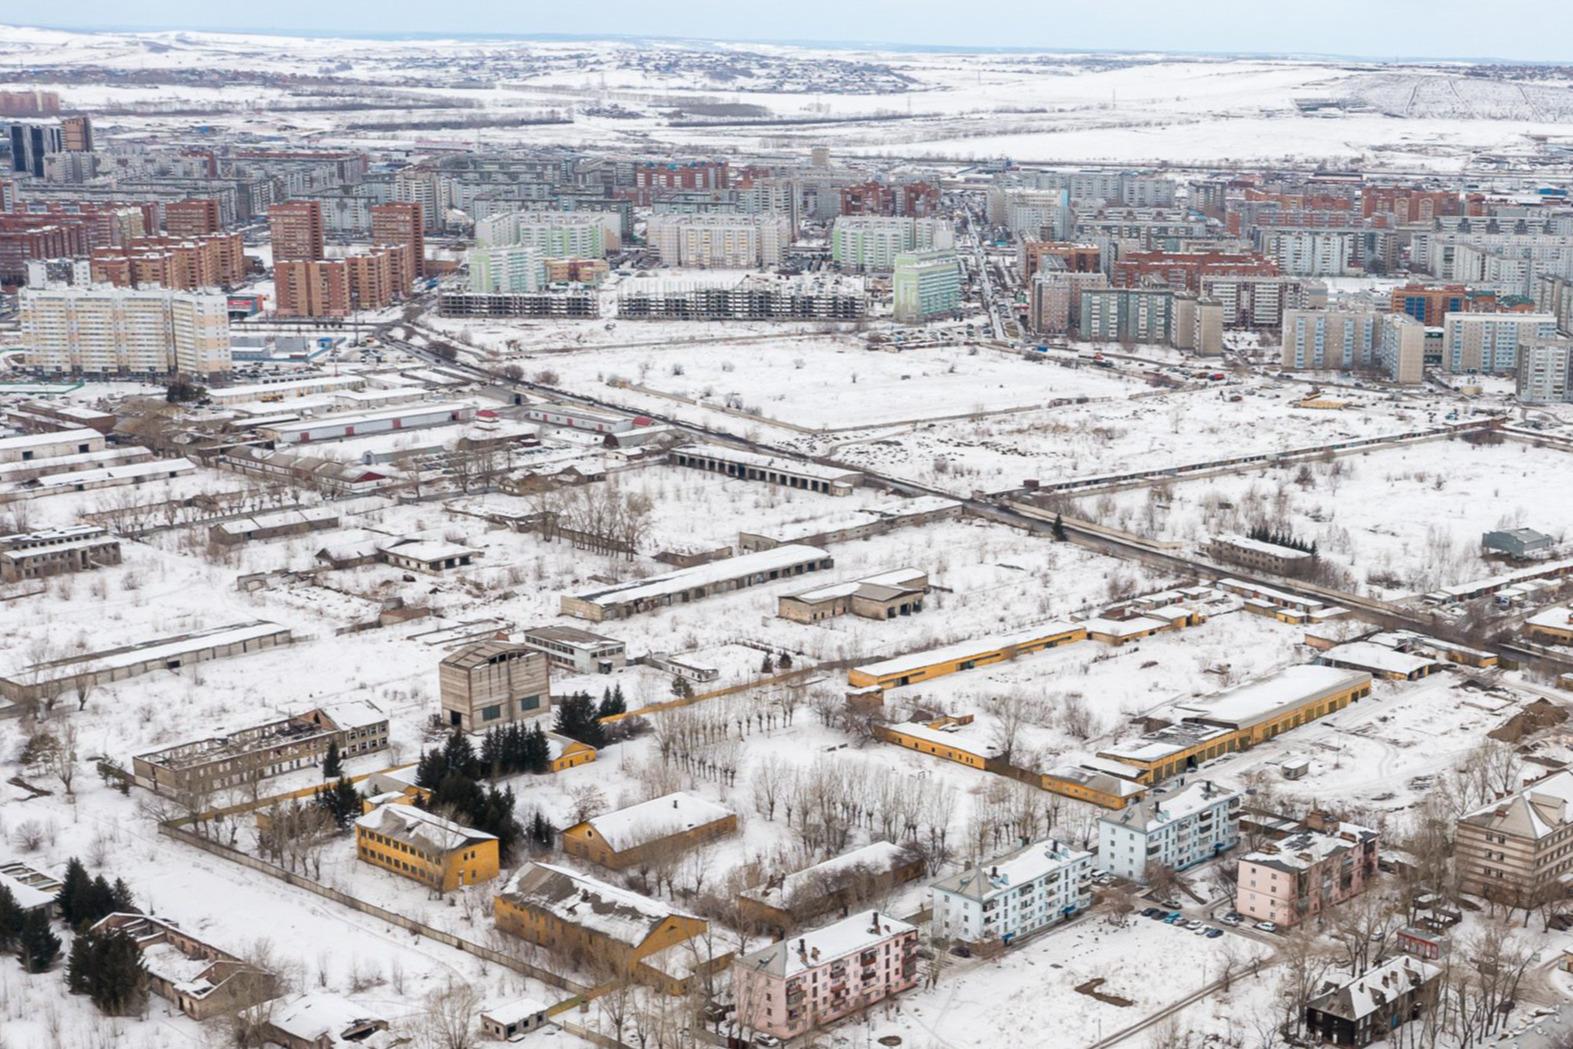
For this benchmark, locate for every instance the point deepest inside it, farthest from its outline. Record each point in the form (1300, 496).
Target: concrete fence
(458, 943)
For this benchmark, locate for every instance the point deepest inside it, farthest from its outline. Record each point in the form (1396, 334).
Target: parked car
(1172, 917)
(1213, 934)
(1267, 926)
(1230, 919)
(1202, 930)
(1150, 912)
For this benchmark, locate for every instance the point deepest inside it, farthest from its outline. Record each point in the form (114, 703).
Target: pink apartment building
(1311, 870)
(818, 977)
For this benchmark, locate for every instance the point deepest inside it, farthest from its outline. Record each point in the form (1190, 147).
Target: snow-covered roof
(656, 819)
(877, 858)
(420, 828)
(1304, 849)
(1012, 871)
(810, 950)
(708, 574)
(1379, 659)
(355, 713)
(1362, 995)
(1241, 542)
(962, 650)
(1123, 628)
(314, 1015)
(1153, 813)
(770, 462)
(1560, 618)
(516, 1011)
(904, 579)
(25, 895)
(1260, 700)
(593, 905)
(1540, 809)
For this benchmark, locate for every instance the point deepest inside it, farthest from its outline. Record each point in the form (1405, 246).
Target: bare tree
(448, 1020)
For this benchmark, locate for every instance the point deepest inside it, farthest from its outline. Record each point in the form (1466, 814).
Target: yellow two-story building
(423, 847)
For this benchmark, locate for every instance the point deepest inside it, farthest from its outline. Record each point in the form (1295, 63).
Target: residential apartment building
(493, 683)
(216, 261)
(31, 142)
(1173, 832)
(1312, 252)
(818, 977)
(1054, 306)
(1077, 258)
(1554, 295)
(1298, 877)
(296, 231)
(424, 847)
(1341, 339)
(505, 269)
(1013, 896)
(555, 234)
(401, 222)
(752, 297)
(1138, 315)
(718, 241)
(122, 332)
(1185, 269)
(1489, 342)
(1401, 354)
(189, 219)
(1520, 847)
(925, 285)
(1259, 302)
(370, 280)
(1544, 369)
(1033, 212)
(1370, 1007)
(870, 244)
(667, 827)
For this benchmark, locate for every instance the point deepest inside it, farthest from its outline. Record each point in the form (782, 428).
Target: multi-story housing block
(870, 243)
(818, 977)
(123, 332)
(1014, 896)
(295, 228)
(1179, 830)
(925, 285)
(1544, 371)
(555, 234)
(723, 241)
(1519, 848)
(1142, 315)
(1489, 342)
(506, 269)
(1298, 877)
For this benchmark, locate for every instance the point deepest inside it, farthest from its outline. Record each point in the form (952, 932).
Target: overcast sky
(1511, 29)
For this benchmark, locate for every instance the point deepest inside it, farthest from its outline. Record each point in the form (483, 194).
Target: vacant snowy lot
(831, 383)
(1401, 519)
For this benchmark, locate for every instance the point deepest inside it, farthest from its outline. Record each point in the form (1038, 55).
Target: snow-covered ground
(1402, 520)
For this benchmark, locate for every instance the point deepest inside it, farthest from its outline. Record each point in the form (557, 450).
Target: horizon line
(797, 42)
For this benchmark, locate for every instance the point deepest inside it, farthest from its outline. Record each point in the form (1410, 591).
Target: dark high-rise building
(31, 143)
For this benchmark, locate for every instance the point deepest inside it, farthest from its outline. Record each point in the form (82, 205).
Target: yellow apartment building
(418, 845)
